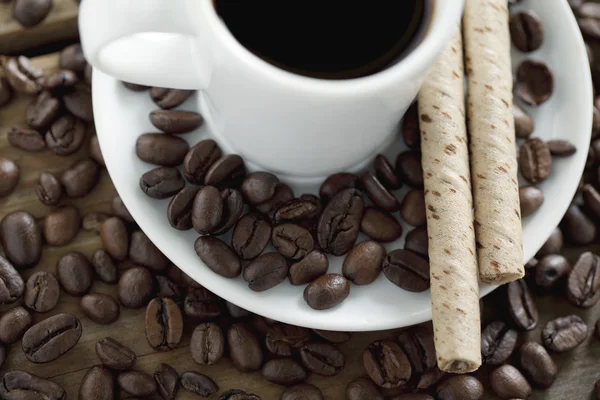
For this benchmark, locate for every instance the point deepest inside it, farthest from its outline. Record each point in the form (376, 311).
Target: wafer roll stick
(492, 139)
(449, 204)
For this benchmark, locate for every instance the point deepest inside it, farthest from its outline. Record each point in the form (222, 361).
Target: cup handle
(147, 42)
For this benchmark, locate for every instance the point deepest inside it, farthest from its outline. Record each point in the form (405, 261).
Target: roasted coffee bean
(407, 270)
(538, 365)
(21, 74)
(79, 103)
(409, 169)
(97, 384)
(259, 187)
(282, 339)
(135, 287)
(93, 221)
(79, 179)
(283, 193)
(295, 210)
(95, 151)
(207, 210)
(362, 389)
(386, 364)
(236, 394)
(13, 324)
(179, 212)
(164, 324)
(322, 358)
(227, 171)
(48, 189)
(5, 92)
(26, 139)
(412, 210)
(336, 183)
(417, 344)
(233, 206)
(327, 291)
(292, 241)
(561, 148)
(333, 336)
(380, 226)
(378, 194)
(460, 387)
(535, 160)
(161, 149)
(534, 82)
(41, 292)
(244, 348)
(498, 342)
(43, 111)
(137, 383)
(199, 159)
(100, 308)
(251, 235)
(61, 225)
(508, 383)
(550, 270)
(175, 122)
(75, 273)
(120, 210)
(60, 81)
(236, 311)
(591, 199)
(564, 333)
(302, 391)
(199, 384)
(339, 222)
(284, 371)
(583, 286)
(531, 198)
(553, 245)
(115, 355)
(168, 288)
(218, 256)
(207, 344)
(385, 173)
(263, 324)
(169, 98)
(23, 385)
(167, 381)
(363, 263)
(51, 338)
(521, 305)
(417, 241)
(104, 266)
(589, 27)
(526, 31)
(72, 58)
(266, 271)
(410, 127)
(11, 283)
(523, 122)
(162, 182)
(312, 266)
(143, 252)
(66, 135)
(578, 228)
(21, 239)
(202, 304)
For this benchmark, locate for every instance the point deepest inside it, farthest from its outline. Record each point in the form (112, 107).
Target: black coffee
(330, 40)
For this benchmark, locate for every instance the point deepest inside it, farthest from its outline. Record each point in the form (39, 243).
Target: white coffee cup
(293, 125)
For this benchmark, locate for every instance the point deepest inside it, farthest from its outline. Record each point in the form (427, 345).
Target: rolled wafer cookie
(494, 171)
(449, 205)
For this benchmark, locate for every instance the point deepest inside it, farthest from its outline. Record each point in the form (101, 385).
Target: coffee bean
(236, 311)
(71, 57)
(266, 271)
(207, 344)
(115, 355)
(100, 308)
(244, 348)
(417, 344)
(168, 288)
(577, 227)
(207, 210)
(534, 82)
(135, 287)
(336, 183)
(531, 198)
(386, 364)
(380, 226)
(250, 236)
(143, 252)
(410, 127)
(259, 187)
(292, 241)
(48, 189)
(327, 291)
(201, 304)
(79, 103)
(5, 92)
(589, 27)
(120, 210)
(385, 173)
(104, 266)
(526, 31)
(283, 193)
(553, 245)
(75, 273)
(218, 256)
(407, 270)
(409, 169)
(233, 206)
(418, 242)
(363, 263)
(591, 198)
(524, 124)
(302, 391)
(199, 384)
(167, 381)
(362, 389)
(43, 111)
(339, 222)
(26, 139)
(21, 239)
(51, 338)
(137, 383)
(175, 122)
(95, 151)
(333, 336)
(564, 333)
(263, 324)
(23, 385)
(81, 178)
(550, 270)
(497, 342)
(66, 135)
(283, 339)
(162, 182)
(284, 371)
(412, 210)
(61, 225)
(561, 148)
(199, 159)
(236, 394)
(295, 210)
(322, 358)
(21, 74)
(59, 82)
(521, 305)
(538, 365)
(161, 149)
(11, 283)
(164, 324)
(583, 286)
(508, 383)
(169, 98)
(535, 160)
(313, 265)
(378, 194)
(227, 171)
(97, 384)
(179, 212)
(13, 324)
(41, 292)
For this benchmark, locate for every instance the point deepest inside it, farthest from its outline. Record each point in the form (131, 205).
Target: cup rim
(446, 14)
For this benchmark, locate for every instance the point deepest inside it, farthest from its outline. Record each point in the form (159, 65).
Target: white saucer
(122, 115)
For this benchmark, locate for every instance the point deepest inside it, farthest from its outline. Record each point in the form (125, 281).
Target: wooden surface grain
(578, 368)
